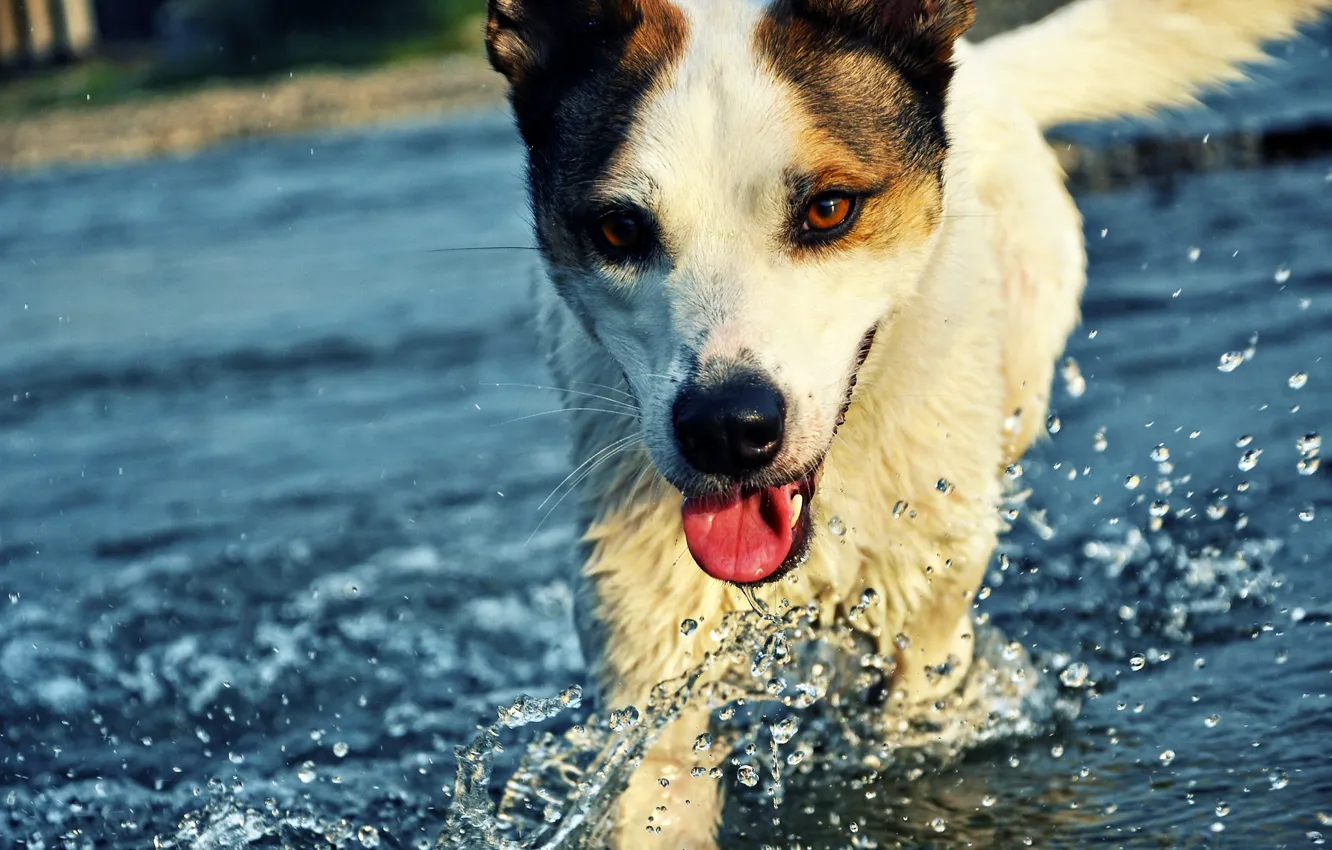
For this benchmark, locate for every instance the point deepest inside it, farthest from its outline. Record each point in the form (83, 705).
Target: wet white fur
(972, 324)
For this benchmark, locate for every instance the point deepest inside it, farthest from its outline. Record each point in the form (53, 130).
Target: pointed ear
(928, 28)
(918, 34)
(527, 37)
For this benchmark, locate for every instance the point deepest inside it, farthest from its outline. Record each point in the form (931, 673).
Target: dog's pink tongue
(740, 537)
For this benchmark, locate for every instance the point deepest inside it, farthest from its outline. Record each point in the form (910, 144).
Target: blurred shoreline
(183, 122)
(1284, 115)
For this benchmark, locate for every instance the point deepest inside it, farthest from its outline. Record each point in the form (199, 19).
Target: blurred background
(283, 502)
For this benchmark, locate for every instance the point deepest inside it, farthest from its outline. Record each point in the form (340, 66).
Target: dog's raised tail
(1099, 59)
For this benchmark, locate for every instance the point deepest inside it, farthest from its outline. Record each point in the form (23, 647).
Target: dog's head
(732, 198)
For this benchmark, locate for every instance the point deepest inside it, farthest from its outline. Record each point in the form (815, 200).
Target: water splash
(807, 688)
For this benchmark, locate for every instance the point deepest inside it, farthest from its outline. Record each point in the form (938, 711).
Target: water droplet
(703, 742)
(1159, 508)
(1230, 361)
(943, 485)
(1137, 662)
(1014, 471)
(899, 509)
(1052, 424)
(1222, 809)
(368, 836)
(1211, 720)
(1282, 273)
(1307, 465)
(747, 775)
(1216, 510)
(901, 641)
(306, 772)
(623, 719)
(1279, 780)
(687, 627)
(1307, 513)
(1249, 459)
(988, 800)
(1074, 675)
(1057, 751)
(340, 749)
(1167, 756)
(938, 824)
(1099, 443)
(664, 782)
(1074, 382)
(236, 758)
(783, 730)
(1309, 443)
(1132, 482)
(837, 526)
(1298, 380)
(1160, 453)
(1194, 254)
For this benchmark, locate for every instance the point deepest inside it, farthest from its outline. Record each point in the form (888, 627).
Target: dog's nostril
(759, 433)
(731, 429)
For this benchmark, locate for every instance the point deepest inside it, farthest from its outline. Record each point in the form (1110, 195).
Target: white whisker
(598, 460)
(615, 444)
(606, 399)
(570, 410)
(608, 388)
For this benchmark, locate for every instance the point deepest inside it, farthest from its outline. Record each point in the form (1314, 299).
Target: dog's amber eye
(827, 212)
(622, 234)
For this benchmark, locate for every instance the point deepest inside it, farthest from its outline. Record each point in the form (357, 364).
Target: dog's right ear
(525, 38)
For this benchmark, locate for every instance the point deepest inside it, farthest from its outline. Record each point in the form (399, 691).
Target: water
(270, 544)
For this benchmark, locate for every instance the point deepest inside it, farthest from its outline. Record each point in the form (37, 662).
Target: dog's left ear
(928, 28)
(919, 34)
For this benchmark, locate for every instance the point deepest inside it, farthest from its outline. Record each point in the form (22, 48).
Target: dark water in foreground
(270, 537)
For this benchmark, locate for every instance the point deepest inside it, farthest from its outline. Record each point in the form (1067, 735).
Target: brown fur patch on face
(873, 129)
(657, 41)
(899, 207)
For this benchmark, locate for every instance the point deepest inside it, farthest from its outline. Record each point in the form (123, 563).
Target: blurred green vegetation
(243, 37)
(202, 42)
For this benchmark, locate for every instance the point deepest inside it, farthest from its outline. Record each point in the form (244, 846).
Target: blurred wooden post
(11, 45)
(80, 28)
(41, 30)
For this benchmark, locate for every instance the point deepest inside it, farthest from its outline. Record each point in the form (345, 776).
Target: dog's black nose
(730, 429)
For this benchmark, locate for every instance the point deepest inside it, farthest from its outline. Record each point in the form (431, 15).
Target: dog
(823, 253)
